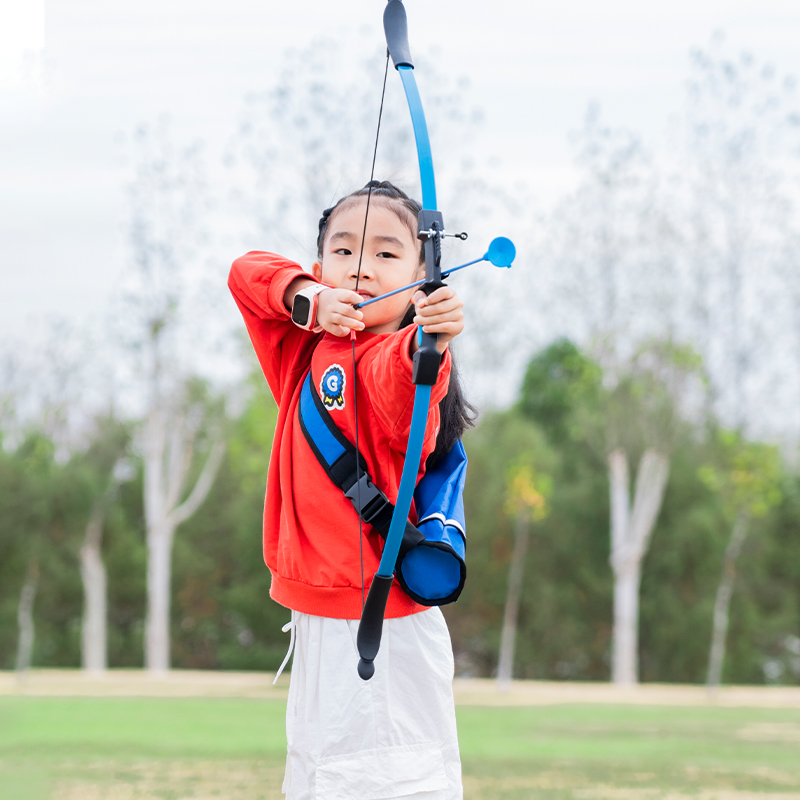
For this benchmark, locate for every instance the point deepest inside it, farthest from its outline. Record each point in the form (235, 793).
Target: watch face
(301, 308)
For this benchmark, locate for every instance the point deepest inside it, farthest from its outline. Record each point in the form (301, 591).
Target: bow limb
(426, 358)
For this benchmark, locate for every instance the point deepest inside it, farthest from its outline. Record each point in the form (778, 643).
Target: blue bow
(427, 358)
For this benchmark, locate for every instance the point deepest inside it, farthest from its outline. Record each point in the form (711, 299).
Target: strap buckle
(372, 500)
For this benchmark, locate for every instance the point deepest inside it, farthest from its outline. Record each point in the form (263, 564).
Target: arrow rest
(463, 235)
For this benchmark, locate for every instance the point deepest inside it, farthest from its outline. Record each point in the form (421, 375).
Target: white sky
(71, 86)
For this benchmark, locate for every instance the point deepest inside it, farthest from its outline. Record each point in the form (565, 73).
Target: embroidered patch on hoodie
(331, 388)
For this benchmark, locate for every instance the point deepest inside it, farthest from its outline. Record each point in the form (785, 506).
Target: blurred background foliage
(222, 617)
(651, 334)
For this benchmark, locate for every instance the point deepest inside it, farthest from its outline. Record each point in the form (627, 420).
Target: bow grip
(427, 359)
(395, 26)
(368, 639)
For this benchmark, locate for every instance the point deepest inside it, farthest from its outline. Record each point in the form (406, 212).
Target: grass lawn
(172, 748)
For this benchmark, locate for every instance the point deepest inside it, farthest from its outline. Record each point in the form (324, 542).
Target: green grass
(140, 749)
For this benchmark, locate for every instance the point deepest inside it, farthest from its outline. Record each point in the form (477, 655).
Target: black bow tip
(366, 669)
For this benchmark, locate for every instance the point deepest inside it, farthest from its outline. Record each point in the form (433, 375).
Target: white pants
(390, 738)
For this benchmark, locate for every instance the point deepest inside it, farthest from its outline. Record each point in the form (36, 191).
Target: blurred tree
(25, 617)
(173, 433)
(635, 415)
(642, 418)
(168, 200)
(105, 464)
(526, 502)
(748, 481)
(561, 390)
(125, 557)
(613, 238)
(609, 239)
(502, 441)
(631, 528)
(739, 227)
(295, 153)
(35, 473)
(223, 616)
(40, 504)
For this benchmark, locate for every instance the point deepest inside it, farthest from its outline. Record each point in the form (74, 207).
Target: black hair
(456, 413)
(375, 189)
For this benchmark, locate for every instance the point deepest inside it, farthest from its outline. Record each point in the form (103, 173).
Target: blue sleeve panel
(440, 493)
(434, 572)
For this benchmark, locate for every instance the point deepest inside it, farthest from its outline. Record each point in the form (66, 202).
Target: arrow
(501, 253)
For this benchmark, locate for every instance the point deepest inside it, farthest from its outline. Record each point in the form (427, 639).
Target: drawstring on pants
(289, 626)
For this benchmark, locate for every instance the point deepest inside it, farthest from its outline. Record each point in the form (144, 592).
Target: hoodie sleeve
(385, 374)
(258, 282)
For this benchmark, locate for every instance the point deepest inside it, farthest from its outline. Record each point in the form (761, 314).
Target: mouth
(366, 295)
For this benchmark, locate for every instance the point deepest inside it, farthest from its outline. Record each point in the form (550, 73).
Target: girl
(394, 736)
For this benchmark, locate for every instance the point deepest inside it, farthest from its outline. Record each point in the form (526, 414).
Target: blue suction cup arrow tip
(501, 252)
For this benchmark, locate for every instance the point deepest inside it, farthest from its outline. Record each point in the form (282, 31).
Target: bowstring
(353, 333)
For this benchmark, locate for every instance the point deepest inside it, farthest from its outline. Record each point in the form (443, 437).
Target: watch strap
(310, 294)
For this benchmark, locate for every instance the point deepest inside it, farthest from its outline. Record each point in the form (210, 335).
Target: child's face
(390, 260)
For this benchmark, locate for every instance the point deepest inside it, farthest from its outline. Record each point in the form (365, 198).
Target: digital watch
(304, 307)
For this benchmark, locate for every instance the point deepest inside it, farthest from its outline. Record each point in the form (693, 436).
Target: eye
(342, 251)
(386, 254)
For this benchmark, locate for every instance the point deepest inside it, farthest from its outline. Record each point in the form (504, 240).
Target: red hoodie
(311, 530)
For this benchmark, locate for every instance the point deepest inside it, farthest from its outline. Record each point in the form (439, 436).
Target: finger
(347, 311)
(348, 297)
(337, 330)
(443, 307)
(442, 293)
(347, 321)
(447, 328)
(341, 296)
(443, 327)
(452, 310)
(340, 330)
(455, 317)
(428, 323)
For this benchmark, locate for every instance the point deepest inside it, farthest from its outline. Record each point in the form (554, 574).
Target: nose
(363, 272)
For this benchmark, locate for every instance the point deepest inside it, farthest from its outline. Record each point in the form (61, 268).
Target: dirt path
(468, 691)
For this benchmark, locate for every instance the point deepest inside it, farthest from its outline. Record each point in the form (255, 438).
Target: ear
(316, 270)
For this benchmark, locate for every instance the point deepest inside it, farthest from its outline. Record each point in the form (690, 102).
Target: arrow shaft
(416, 283)
(389, 294)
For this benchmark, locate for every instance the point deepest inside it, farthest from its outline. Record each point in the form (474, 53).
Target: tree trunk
(631, 529)
(716, 657)
(159, 570)
(167, 458)
(505, 667)
(625, 662)
(94, 650)
(25, 619)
